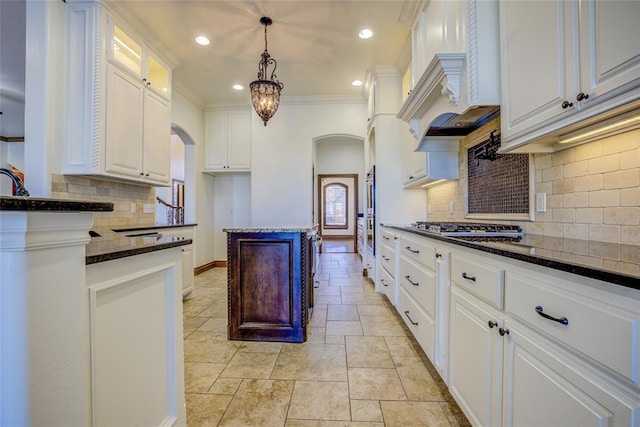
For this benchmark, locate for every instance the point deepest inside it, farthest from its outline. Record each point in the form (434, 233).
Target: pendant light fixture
(265, 94)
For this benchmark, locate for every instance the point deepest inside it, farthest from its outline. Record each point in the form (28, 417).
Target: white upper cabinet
(119, 97)
(563, 63)
(421, 168)
(228, 141)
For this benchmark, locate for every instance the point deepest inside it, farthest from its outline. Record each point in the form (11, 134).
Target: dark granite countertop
(13, 203)
(593, 259)
(153, 227)
(110, 245)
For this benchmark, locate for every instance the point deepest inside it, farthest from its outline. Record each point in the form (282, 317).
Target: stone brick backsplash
(593, 192)
(120, 194)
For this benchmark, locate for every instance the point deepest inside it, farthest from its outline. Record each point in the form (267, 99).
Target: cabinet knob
(144, 80)
(141, 174)
(411, 177)
(503, 332)
(146, 174)
(148, 83)
(567, 104)
(492, 324)
(438, 255)
(582, 96)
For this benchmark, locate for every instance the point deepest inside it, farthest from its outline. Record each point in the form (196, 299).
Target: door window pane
(335, 206)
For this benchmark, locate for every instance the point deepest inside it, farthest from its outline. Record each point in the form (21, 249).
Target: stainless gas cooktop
(469, 229)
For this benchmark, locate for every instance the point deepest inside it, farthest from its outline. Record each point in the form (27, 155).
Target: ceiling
(315, 43)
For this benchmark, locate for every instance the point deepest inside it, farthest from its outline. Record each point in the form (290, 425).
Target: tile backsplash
(592, 192)
(121, 195)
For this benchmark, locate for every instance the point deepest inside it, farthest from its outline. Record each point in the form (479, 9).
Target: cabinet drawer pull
(541, 312)
(385, 258)
(382, 281)
(566, 104)
(409, 280)
(406, 313)
(582, 96)
(503, 331)
(472, 278)
(385, 238)
(411, 250)
(492, 324)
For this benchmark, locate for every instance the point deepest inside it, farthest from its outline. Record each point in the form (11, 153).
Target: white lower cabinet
(519, 344)
(188, 255)
(135, 309)
(475, 358)
(388, 273)
(547, 387)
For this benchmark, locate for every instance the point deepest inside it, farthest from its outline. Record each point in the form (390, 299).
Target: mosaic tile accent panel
(499, 186)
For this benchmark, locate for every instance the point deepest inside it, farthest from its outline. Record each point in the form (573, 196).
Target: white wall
(232, 208)
(199, 187)
(282, 158)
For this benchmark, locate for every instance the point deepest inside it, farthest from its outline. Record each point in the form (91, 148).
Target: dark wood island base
(270, 283)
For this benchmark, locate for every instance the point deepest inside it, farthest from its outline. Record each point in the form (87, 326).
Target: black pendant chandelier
(265, 94)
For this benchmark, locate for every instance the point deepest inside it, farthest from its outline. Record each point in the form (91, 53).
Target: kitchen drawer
(388, 238)
(419, 249)
(418, 321)
(483, 280)
(388, 285)
(420, 283)
(388, 259)
(592, 327)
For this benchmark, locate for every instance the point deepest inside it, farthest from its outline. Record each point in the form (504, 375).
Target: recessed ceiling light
(356, 83)
(202, 40)
(238, 86)
(365, 33)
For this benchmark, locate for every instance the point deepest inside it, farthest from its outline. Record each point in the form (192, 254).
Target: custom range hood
(457, 92)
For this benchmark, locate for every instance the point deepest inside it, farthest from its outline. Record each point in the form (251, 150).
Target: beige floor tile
(366, 410)
(334, 339)
(400, 346)
(225, 386)
(250, 365)
(454, 414)
(260, 347)
(205, 409)
(217, 309)
(192, 310)
(259, 403)
(311, 362)
(342, 312)
(190, 324)
(316, 335)
(216, 325)
(327, 290)
(368, 352)
(320, 400)
(328, 299)
(369, 298)
(318, 317)
(416, 379)
(200, 347)
(373, 310)
(402, 414)
(375, 384)
(381, 326)
(343, 327)
(316, 423)
(198, 377)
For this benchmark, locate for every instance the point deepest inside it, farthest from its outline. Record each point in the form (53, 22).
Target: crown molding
(410, 11)
(322, 99)
(187, 94)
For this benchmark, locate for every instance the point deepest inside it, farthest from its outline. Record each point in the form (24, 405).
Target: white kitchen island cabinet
(137, 373)
(585, 63)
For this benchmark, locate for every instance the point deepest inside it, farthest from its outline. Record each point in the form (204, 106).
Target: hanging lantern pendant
(265, 94)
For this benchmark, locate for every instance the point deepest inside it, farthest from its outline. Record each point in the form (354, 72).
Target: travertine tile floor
(359, 367)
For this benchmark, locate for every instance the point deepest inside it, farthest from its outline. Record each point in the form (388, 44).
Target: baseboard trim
(208, 266)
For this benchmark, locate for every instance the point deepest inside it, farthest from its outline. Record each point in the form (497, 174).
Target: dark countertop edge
(578, 269)
(11, 203)
(270, 230)
(152, 227)
(117, 254)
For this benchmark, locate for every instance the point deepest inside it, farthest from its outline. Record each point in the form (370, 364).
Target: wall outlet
(148, 208)
(132, 208)
(541, 202)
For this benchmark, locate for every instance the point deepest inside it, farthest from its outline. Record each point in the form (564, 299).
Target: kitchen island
(270, 283)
